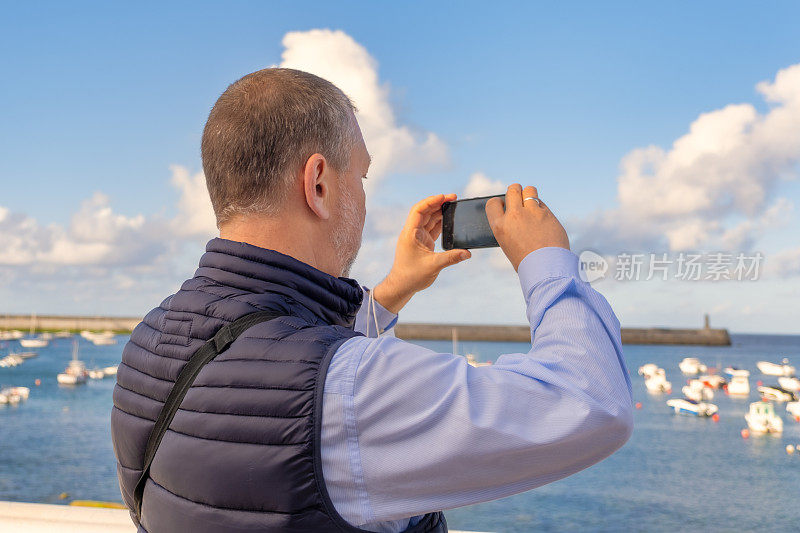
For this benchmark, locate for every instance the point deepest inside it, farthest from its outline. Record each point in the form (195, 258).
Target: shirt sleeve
(367, 317)
(422, 431)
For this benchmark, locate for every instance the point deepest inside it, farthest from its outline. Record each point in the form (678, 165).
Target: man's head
(284, 145)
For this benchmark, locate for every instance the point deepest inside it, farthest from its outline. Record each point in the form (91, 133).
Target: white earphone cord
(371, 310)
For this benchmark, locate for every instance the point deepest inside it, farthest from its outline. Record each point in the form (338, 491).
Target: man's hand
(524, 226)
(416, 265)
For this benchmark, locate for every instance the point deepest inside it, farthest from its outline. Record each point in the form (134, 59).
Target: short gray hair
(262, 130)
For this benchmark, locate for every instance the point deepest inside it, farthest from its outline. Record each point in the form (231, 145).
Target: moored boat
(776, 393)
(692, 365)
(75, 373)
(648, 370)
(738, 386)
(697, 391)
(713, 381)
(734, 371)
(657, 382)
(793, 408)
(762, 418)
(792, 384)
(775, 369)
(691, 407)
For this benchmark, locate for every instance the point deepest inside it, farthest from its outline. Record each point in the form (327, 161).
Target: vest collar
(261, 270)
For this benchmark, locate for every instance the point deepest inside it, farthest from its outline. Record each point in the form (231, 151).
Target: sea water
(677, 472)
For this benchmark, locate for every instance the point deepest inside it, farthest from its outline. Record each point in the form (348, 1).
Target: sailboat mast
(455, 341)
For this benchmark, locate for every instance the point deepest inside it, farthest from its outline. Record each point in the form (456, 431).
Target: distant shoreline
(405, 330)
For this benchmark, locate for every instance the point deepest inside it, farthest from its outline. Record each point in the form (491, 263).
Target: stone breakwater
(475, 332)
(465, 332)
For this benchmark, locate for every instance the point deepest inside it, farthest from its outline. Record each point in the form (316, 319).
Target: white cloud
(195, 216)
(337, 57)
(723, 170)
(481, 185)
(784, 264)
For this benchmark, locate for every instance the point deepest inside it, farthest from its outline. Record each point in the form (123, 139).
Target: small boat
(34, 342)
(775, 369)
(27, 355)
(713, 381)
(75, 373)
(734, 371)
(64, 334)
(776, 393)
(792, 384)
(738, 386)
(110, 370)
(96, 373)
(793, 408)
(692, 365)
(11, 335)
(691, 407)
(22, 392)
(657, 382)
(648, 370)
(762, 418)
(101, 338)
(697, 391)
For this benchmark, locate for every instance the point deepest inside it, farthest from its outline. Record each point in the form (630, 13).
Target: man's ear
(316, 184)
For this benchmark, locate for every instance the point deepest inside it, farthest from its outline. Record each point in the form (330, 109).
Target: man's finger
(514, 196)
(424, 208)
(451, 257)
(530, 192)
(494, 210)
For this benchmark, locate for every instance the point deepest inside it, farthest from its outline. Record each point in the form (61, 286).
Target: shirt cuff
(544, 263)
(365, 320)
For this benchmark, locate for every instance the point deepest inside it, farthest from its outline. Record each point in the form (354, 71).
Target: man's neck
(296, 240)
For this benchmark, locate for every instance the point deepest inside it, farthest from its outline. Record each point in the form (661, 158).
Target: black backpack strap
(205, 354)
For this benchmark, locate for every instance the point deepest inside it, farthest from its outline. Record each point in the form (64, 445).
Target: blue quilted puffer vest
(243, 452)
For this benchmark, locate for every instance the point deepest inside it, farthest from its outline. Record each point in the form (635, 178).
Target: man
(314, 421)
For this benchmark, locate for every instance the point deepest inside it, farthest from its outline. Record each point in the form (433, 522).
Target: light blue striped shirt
(407, 431)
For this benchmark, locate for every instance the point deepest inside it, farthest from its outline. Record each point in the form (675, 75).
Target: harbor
(663, 477)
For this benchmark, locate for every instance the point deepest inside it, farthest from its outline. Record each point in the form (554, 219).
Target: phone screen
(464, 224)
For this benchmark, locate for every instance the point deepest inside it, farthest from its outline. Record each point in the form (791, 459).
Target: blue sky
(108, 98)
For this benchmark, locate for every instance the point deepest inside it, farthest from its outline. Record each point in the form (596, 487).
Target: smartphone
(464, 224)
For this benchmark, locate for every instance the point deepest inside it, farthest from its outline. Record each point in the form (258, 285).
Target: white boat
(697, 391)
(735, 371)
(75, 373)
(658, 382)
(11, 335)
(22, 392)
(110, 370)
(64, 334)
(762, 418)
(792, 384)
(793, 408)
(775, 369)
(738, 386)
(692, 365)
(775, 393)
(11, 360)
(34, 343)
(648, 370)
(99, 338)
(691, 407)
(713, 381)
(96, 373)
